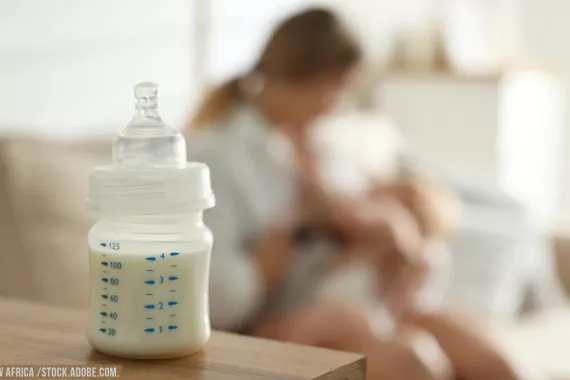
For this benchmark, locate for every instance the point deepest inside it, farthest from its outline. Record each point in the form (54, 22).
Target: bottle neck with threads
(153, 224)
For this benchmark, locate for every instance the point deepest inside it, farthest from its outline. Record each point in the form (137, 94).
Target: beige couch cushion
(47, 186)
(16, 278)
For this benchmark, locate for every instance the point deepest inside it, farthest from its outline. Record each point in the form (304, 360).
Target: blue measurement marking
(174, 253)
(104, 305)
(105, 279)
(151, 258)
(173, 278)
(149, 330)
(103, 244)
(105, 296)
(148, 318)
(149, 294)
(150, 282)
(149, 306)
(172, 303)
(172, 290)
(172, 315)
(104, 263)
(104, 271)
(174, 265)
(103, 330)
(172, 327)
(103, 314)
(103, 322)
(150, 270)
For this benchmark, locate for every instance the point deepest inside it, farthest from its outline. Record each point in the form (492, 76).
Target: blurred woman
(280, 230)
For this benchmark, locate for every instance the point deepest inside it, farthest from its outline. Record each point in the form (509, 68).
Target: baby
(387, 283)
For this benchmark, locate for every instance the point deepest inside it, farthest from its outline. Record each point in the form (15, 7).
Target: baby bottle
(149, 251)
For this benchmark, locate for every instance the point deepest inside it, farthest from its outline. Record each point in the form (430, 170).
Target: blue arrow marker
(172, 327)
(104, 314)
(149, 330)
(151, 258)
(172, 303)
(104, 263)
(105, 279)
(149, 306)
(150, 282)
(173, 278)
(103, 330)
(174, 253)
(103, 244)
(105, 296)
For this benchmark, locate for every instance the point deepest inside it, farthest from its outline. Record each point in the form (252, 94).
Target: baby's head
(427, 202)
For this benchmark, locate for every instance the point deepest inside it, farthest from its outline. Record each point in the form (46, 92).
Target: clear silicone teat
(148, 142)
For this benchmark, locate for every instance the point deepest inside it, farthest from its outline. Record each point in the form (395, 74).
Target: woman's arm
(272, 257)
(242, 275)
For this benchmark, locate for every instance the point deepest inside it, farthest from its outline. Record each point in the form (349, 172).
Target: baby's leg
(339, 327)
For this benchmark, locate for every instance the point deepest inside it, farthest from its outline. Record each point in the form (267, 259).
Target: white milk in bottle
(149, 251)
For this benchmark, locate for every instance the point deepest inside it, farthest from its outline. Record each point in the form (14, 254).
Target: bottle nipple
(146, 100)
(147, 141)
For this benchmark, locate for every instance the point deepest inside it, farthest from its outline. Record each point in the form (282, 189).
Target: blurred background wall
(67, 67)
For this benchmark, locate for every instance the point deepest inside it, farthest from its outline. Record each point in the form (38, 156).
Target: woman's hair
(307, 44)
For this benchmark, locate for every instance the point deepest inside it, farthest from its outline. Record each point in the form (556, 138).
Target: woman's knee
(340, 326)
(329, 325)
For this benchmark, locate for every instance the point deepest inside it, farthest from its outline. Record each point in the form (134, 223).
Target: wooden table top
(33, 334)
